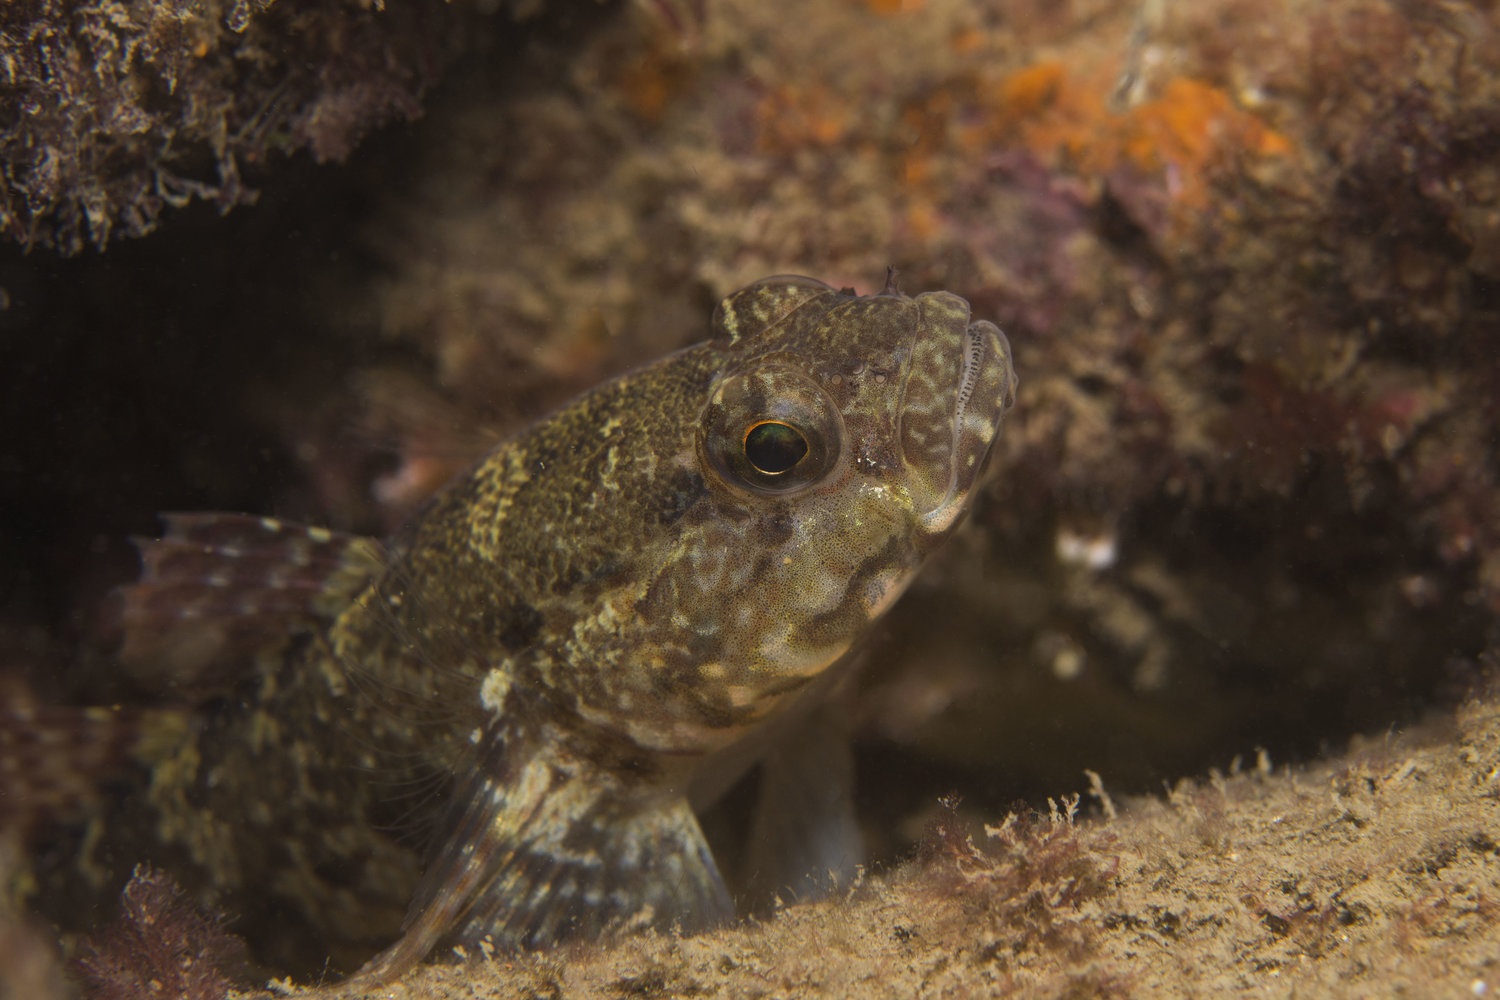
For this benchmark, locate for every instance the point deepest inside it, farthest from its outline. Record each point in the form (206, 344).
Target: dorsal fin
(220, 590)
(544, 845)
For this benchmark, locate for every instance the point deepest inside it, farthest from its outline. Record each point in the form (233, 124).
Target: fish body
(572, 644)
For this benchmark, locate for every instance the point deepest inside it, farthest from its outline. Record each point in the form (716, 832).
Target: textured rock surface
(116, 110)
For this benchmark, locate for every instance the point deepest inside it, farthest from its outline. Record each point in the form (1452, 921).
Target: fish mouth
(960, 385)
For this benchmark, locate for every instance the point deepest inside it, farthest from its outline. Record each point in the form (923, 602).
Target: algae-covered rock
(114, 111)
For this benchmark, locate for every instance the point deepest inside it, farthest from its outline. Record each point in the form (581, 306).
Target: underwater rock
(115, 111)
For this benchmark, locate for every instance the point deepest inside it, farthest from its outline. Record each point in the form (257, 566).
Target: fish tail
(218, 589)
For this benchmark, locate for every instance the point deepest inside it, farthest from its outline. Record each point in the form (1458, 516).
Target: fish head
(840, 442)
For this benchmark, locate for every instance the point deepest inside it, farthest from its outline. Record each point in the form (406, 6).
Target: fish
(567, 652)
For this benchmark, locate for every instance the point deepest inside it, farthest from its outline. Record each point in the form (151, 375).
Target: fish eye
(774, 447)
(769, 430)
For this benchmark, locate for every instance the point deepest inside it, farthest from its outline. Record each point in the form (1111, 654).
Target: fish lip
(985, 370)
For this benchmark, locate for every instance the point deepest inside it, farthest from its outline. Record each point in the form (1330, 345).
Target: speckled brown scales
(591, 632)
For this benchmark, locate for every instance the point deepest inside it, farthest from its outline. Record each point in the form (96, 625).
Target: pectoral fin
(545, 845)
(804, 838)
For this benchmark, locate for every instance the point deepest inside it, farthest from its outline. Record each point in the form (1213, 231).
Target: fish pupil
(774, 447)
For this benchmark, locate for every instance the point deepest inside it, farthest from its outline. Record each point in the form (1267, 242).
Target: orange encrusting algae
(1182, 137)
(791, 118)
(889, 8)
(1190, 130)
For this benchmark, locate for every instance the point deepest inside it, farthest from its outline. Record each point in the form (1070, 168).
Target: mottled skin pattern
(586, 628)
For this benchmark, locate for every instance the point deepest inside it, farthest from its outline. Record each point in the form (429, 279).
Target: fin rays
(544, 846)
(218, 590)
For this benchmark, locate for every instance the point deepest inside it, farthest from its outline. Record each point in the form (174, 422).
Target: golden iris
(773, 447)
